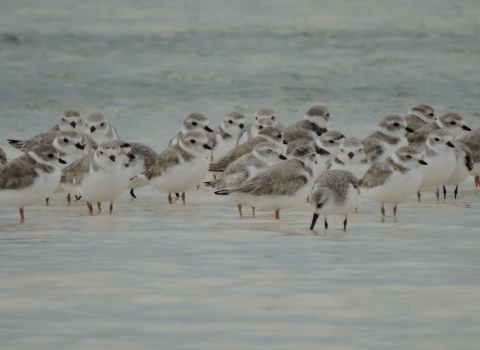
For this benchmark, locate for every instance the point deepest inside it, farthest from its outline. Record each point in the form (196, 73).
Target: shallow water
(166, 276)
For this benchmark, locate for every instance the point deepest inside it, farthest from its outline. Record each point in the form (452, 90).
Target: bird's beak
(92, 129)
(314, 220)
(73, 124)
(61, 161)
(241, 126)
(350, 155)
(282, 157)
(207, 128)
(79, 145)
(466, 128)
(112, 158)
(421, 161)
(450, 144)
(285, 142)
(207, 146)
(131, 156)
(409, 129)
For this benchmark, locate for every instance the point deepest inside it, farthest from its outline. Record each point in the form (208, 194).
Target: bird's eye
(396, 124)
(65, 140)
(430, 114)
(409, 156)
(194, 123)
(452, 122)
(327, 115)
(260, 127)
(437, 139)
(102, 125)
(279, 136)
(193, 141)
(273, 117)
(63, 119)
(341, 149)
(230, 122)
(269, 151)
(360, 150)
(50, 155)
(101, 152)
(331, 141)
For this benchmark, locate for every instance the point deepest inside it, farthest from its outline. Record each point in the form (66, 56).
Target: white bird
(264, 118)
(463, 166)
(225, 137)
(350, 157)
(420, 115)
(144, 157)
(472, 141)
(194, 122)
(314, 124)
(98, 128)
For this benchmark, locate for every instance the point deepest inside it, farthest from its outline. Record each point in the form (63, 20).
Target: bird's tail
(18, 144)
(223, 192)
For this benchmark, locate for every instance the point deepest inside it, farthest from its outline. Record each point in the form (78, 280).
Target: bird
(389, 137)
(326, 146)
(463, 166)
(268, 134)
(101, 130)
(334, 192)
(31, 177)
(145, 156)
(393, 180)
(420, 115)
(264, 118)
(101, 176)
(350, 157)
(182, 166)
(263, 155)
(3, 157)
(280, 186)
(225, 136)
(438, 151)
(70, 120)
(452, 122)
(313, 125)
(194, 122)
(472, 141)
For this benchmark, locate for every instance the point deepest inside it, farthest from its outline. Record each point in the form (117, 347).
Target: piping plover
(326, 146)
(225, 137)
(350, 157)
(181, 167)
(419, 116)
(70, 139)
(280, 186)
(31, 177)
(438, 151)
(268, 134)
(101, 130)
(194, 122)
(314, 124)
(463, 167)
(145, 156)
(70, 120)
(393, 180)
(389, 137)
(264, 118)
(335, 192)
(263, 155)
(472, 141)
(451, 122)
(101, 176)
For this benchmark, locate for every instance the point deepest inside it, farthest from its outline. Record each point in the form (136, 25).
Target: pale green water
(197, 277)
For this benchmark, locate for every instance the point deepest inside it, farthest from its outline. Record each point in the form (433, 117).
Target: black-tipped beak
(282, 157)
(73, 124)
(207, 146)
(92, 129)
(112, 158)
(421, 161)
(350, 155)
(61, 161)
(409, 129)
(131, 156)
(207, 128)
(450, 144)
(79, 145)
(466, 128)
(314, 220)
(241, 126)
(285, 142)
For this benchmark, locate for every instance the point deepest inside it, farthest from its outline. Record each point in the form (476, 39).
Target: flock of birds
(262, 164)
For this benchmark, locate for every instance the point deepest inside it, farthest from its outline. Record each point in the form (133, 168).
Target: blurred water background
(196, 277)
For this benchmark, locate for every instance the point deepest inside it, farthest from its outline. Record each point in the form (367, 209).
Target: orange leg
(46, 201)
(419, 195)
(240, 210)
(214, 177)
(383, 210)
(253, 212)
(99, 205)
(477, 181)
(198, 187)
(395, 210)
(68, 199)
(170, 198)
(277, 214)
(22, 217)
(90, 208)
(308, 199)
(438, 195)
(183, 198)
(111, 208)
